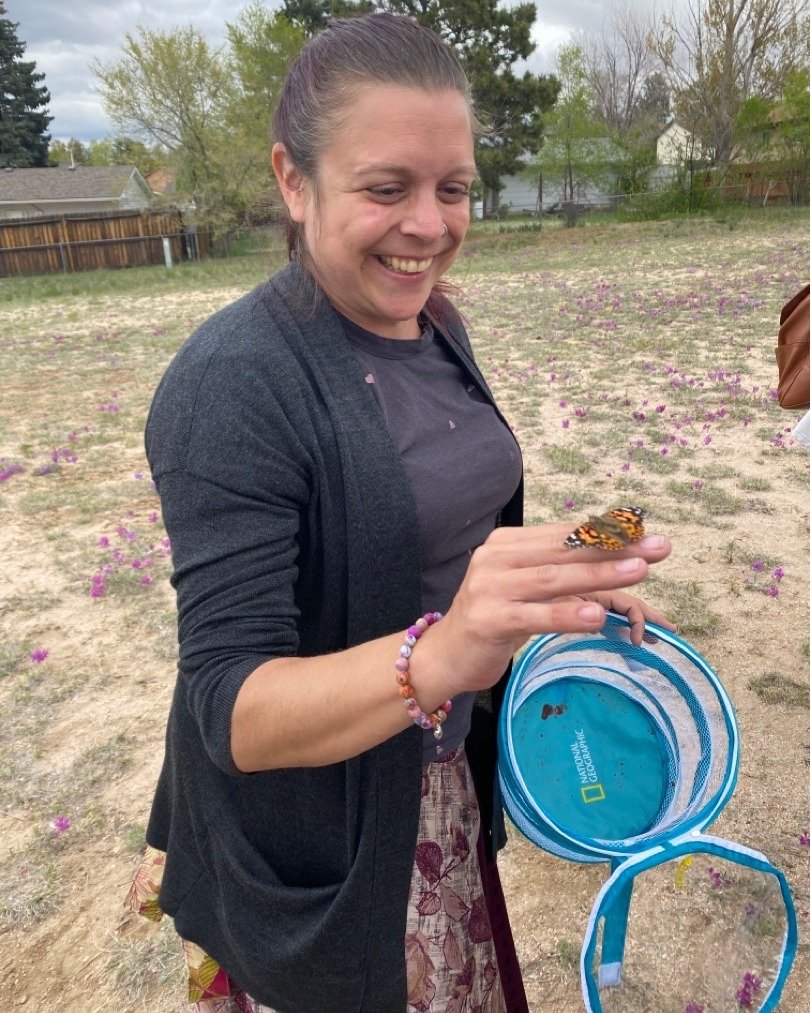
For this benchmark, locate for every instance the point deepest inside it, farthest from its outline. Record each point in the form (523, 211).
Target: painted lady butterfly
(611, 530)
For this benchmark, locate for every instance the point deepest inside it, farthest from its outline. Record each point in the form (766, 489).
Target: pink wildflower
(39, 656)
(60, 824)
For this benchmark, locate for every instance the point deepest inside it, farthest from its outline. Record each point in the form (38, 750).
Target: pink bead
(429, 617)
(401, 678)
(425, 722)
(405, 651)
(401, 664)
(447, 706)
(414, 631)
(413, 708)
(422, 623)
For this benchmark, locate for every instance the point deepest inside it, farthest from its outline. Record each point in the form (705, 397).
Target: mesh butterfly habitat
(624, 756)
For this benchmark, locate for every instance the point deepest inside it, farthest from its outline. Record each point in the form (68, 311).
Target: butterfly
(611, 530)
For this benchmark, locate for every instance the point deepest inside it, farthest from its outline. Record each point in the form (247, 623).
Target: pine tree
(312, 15)
(23, 102)
(488, 39)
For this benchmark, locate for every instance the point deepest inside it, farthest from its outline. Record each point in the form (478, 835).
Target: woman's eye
(455, 192)
(385, 192)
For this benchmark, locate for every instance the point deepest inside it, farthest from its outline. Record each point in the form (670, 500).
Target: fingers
(571, 616)
(535, 545)
(556, 580)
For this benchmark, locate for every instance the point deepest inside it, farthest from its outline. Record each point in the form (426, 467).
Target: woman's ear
(290, 180)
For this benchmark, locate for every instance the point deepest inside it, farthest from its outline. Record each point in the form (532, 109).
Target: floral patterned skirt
(454, 964)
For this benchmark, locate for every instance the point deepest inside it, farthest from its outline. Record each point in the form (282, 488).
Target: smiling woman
(334, 476)
(384, 219)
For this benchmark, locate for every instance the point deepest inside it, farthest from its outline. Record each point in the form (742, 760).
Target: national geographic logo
(590, 788)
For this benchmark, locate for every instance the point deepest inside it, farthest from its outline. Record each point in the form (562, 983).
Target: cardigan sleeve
(232, 496)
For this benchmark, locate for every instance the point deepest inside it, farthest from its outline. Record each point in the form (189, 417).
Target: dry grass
(583, 335)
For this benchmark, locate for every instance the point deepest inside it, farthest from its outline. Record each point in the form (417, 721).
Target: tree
(23, 102)
(791, 119)
(109, 151)
(172, 88)
(65, 152)
(618, 62)
(208, 109)
(777, 133)
(489, 39)
(717, 54)
(126, 151)
(262, 46)
(628, 95)
(311, 16)
(655, 100)
(576, 150)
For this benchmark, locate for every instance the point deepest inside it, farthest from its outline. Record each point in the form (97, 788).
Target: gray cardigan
(293, 532)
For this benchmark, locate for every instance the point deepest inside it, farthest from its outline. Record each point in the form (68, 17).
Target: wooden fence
(61, 244)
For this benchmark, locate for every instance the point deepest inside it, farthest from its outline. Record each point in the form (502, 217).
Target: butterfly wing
(592, 534)
(630, 520)
(612, 530)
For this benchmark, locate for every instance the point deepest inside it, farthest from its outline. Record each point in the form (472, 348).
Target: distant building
(63, 189)
(676, 146)
(529, 192)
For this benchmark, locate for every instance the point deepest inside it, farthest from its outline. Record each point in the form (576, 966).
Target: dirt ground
(84, 726)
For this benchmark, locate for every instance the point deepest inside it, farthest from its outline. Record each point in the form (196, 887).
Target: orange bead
(406, 691)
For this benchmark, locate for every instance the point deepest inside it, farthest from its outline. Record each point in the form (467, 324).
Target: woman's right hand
(521, 583)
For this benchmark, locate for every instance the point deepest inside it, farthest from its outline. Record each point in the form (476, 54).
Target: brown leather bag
(792, 352)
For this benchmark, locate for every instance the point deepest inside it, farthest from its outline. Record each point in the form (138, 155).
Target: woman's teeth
(405, 266)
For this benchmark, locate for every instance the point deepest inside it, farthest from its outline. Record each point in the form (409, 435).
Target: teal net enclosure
(614, 753)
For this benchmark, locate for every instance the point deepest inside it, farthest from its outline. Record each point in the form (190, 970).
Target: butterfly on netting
(611, 530)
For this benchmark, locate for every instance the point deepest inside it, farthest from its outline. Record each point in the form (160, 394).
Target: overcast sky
(63, 37)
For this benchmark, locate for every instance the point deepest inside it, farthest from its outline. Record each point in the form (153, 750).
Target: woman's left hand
(637, 611)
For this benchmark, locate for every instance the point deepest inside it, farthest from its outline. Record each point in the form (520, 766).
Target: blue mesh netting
(607, 748)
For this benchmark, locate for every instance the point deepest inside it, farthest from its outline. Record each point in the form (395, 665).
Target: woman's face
(398, 172)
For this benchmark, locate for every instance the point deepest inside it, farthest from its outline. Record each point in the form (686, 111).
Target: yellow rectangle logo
(592, 793)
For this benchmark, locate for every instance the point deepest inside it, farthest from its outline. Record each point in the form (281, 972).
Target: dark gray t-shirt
(462, 462)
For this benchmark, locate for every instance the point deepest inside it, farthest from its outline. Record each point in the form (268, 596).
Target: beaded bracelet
(419, 717)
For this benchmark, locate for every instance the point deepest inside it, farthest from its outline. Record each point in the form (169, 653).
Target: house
(66, 189)
(675, 145)
(530, 192)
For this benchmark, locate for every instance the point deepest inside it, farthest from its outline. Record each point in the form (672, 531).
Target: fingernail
(590, 613)
(652, 542)
(627, 565)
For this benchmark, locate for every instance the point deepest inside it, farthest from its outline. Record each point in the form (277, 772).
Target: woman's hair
(324, 78)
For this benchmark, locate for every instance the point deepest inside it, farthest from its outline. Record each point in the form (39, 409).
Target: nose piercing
(445, 228)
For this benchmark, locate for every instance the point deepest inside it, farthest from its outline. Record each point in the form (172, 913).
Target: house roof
(84, 182)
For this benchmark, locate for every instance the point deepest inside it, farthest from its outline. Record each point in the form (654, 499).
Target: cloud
(63, 38)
